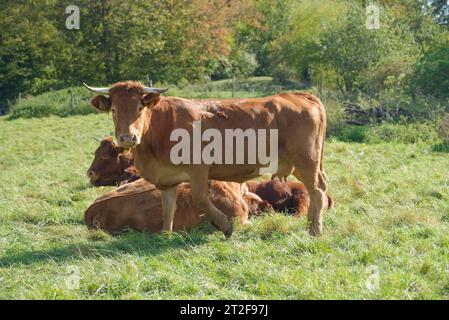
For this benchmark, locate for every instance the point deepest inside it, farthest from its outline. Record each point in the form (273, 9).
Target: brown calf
(112, 165)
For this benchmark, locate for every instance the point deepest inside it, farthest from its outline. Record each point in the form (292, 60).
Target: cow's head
(128, 102)
(109, 165)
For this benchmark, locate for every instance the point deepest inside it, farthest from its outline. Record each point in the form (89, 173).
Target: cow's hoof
(229, 230)
(316, 232)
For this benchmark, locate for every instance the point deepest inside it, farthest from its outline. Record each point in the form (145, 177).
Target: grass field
(390, 222)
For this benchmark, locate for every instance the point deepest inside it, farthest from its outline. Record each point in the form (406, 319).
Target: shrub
(53, 103)
(353, 134)
(431, 72)
(390, 132)
(403, 133)
(444, 129)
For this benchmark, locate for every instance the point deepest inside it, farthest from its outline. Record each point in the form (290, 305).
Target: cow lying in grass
(137, 205)
(113, 166)
(285, 196)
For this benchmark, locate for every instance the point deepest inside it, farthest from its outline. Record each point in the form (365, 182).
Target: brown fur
(137, 205)
(285, 196)
(112, 165)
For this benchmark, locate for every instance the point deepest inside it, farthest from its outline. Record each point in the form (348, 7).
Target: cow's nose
(91, 174)
(128, 139)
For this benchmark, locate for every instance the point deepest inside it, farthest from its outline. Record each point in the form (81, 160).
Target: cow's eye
(140, 109)
(113, 110)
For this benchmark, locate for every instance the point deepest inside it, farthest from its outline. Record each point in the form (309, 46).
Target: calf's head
(110, 164)
(128, 102)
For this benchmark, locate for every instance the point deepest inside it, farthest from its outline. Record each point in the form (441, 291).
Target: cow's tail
(322, 133)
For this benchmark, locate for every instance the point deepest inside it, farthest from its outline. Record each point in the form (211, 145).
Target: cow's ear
(150, 100)
(101, 103)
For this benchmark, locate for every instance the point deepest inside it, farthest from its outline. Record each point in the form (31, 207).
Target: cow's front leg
(168, 208)
(200, 197)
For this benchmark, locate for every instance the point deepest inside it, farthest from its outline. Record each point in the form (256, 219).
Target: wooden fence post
(233, 85)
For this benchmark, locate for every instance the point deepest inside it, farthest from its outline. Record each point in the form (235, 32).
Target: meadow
(386, 238)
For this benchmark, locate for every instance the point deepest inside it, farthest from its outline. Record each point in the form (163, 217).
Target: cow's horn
(97, 90)
(153, 90)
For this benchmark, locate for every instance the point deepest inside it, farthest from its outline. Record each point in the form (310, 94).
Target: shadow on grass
(130, 242)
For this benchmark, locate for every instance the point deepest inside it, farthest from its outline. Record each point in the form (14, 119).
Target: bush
(353, 134)
(53, 103)
(431, 72)
(389, 132)
(400, 133)
(443, 129)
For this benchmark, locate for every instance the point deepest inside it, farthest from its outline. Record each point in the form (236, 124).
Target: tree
(441, 11)
(262, 32)
(431, 75)
(30, 49)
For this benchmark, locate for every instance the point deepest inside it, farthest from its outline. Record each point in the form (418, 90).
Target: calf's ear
(150, 100)
(101, 103)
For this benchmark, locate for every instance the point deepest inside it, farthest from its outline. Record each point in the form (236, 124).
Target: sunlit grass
(391, 211)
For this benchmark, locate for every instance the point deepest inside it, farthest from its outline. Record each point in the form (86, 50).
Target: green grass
(391, 212)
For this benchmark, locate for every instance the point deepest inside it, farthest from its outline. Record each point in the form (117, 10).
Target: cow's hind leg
(309, 173)
(200, 197)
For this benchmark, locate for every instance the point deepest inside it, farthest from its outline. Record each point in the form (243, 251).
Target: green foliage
(262, 35)
(330, 43)
(53, 103)
(30, 49)
(431, 76)
(441, 11)
(170, 40)
(443, 128)
(391, 133)
(311, 43)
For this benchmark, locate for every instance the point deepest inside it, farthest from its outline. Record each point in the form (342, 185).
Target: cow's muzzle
(92, 175)
(129, 140)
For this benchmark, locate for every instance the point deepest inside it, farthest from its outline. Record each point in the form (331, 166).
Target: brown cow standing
(137, 205)
(144, 122)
